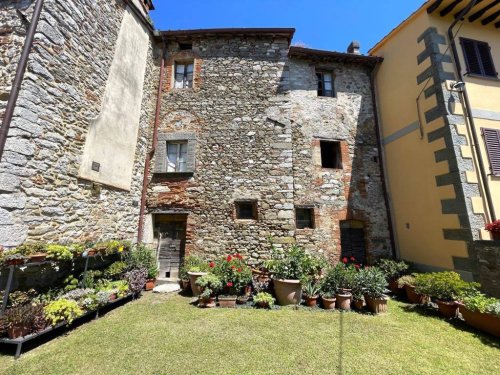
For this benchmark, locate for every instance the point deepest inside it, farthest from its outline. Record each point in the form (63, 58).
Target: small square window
(176, 156)
(304, 218)
(478, 58)
(185, 46)
(331, 156)
(184, 75)
(325, 83)
(246, 210)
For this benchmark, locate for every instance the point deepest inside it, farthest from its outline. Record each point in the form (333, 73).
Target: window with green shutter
(492, 142)
(478, 58)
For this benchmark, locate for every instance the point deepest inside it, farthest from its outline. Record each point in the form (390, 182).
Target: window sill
(479, 76)
(304, 230)
(174, 174)
(245, 221)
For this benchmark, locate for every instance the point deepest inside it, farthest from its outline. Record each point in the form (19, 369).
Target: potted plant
(24, 319)
(328, 300)
(494, 229)
(482, 312)
(62, 310)
(446, 288)
(209, 285)
(338, 282)
(374, 283)
(289, 268)
(408, 283)
(235, 276)
(311, 293)
(151, 278)
(59, 253)
(358, 291)
(35, 252)
(393, 270)
(195, 269)
(190, 262)
(263, 300)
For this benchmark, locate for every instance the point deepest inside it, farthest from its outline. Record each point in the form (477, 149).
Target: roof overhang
(150, 5)
(484, 12)
(229, 32)
(322, 55)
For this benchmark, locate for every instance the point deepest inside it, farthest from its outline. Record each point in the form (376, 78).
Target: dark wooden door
(171, 248)
(352, 240)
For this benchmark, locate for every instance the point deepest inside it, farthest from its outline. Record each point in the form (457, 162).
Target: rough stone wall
(487, 254)
(60, 96)
(258, 139)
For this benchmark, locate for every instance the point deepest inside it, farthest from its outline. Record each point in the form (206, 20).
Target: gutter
(18, 79)
(383, 170)
(470, 117)
(149, 156)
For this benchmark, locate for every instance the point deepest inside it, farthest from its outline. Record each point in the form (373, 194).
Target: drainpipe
(18, 79)
(383, 172)
(468, 108)
(150, 154)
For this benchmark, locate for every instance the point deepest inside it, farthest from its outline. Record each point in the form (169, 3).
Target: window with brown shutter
(492, 142)
(478, 58)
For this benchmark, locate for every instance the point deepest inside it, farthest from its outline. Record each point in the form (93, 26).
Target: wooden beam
(482, 11)
(449, 8)
(497, 25)
(475, 5)
(434, 6)
(491, 18)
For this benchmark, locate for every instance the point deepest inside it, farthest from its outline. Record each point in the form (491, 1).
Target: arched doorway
(352, 240)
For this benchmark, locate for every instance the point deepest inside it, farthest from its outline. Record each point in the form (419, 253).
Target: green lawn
(161, 334)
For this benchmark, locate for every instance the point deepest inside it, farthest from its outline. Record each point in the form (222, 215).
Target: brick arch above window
(185, 58)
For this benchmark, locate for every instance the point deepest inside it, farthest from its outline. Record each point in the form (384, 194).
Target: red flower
(229, 258)
(233, 267)
(211, 264)
(344, 260)
(240, 269)
(238, 256)
(357, 266)
(229, 284)
(352, 259)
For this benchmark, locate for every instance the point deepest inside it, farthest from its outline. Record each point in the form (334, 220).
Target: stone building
(257, 139)
(252, 139)
(73, 161)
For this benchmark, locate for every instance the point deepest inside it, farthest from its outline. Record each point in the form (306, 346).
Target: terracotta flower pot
(288, 292)
(488, 323)
(311, 301)
(395, 289)
(91, 252)
(14, 262)
(227, 302)
(263, 305)
(261, 276)
(447, 309)
(415, 297)
(343, 301)
(207, 302)
(185, 284)
(193, 276)
(328, 303)
(495, 236)
(359, 304)
(241, 300)
(376, 305)
(17, 331)
(38, 257)
(150, 284)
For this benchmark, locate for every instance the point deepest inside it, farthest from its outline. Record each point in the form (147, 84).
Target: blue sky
(321, 24)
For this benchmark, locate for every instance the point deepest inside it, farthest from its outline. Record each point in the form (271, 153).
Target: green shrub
(233, 272)
(293, 264)
(192, 263)
(116, 270)
(483, 304)
(29, 249)
(341, 276)
(312, 289)
(444, 286)
(62, 310)
(140, 257)
(406, 280)
(59, 252)
(210, 284)
(264, 298)
(373, 281)
(392, 269)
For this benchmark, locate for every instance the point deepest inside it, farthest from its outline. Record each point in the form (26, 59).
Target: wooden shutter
(470, 56)
(492, 142)
(161, 158)
(484, 51)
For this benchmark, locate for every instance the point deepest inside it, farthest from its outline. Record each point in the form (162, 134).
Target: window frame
(312, 220)
(339, 165)
(179, 143)
(186, 83)
(491, 138)
(479, 57)
(237, 211)
(321, 81)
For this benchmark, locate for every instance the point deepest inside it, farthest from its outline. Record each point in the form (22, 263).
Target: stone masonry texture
(41, 197)
(258, 123)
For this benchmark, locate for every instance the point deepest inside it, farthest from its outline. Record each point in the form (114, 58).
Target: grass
(161, 334)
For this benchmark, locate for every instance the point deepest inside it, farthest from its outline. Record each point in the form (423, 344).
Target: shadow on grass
(431, 312)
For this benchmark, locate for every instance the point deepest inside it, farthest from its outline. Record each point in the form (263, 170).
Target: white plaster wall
(112, 137)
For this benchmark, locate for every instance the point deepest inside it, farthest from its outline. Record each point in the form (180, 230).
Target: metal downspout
(484, 176)
(150, 154)
(18, 79)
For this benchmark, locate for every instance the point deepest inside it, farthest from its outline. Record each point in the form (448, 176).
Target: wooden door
(352, 240)
(171, 248)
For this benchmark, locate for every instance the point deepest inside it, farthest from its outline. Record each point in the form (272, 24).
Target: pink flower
(344, 260)
(352, 259)
(229, 284)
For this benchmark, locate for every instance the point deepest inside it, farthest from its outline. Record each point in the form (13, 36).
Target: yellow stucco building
(438, 95)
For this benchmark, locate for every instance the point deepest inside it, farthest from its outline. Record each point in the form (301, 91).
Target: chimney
(354, 48)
